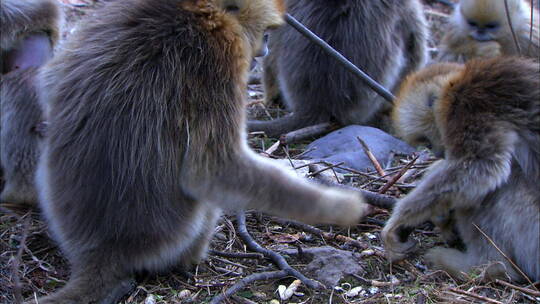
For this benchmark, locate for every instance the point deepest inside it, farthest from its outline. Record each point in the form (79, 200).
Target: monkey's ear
(233, 6)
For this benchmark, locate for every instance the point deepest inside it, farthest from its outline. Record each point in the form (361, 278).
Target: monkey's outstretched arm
(452, 183)
(263, 185)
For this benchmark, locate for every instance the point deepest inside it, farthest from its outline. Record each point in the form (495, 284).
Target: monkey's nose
(481, 35)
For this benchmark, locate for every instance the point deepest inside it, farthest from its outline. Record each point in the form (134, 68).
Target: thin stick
(273, 256)
(371, 157)
(307, 132)
(320, 170)
(236, 255)
(474, 295)
(531, 30)
(503, 254)
(528, 291)
(396, 177)
(263, 276)
(511, 27)
(16, 262)
(375, 86)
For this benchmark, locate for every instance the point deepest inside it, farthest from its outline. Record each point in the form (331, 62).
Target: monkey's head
(486, 20)
(254, 17)
(412, 115)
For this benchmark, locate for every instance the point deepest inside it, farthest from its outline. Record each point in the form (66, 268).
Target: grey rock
(342, 146)
(329, 265)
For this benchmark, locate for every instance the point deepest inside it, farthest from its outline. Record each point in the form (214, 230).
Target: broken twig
(396, 177)
(371, 157)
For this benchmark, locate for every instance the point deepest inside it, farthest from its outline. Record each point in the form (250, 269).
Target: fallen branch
(528, 291)
(263, 276)
(273, 256)
(307, 132)
(474, 295)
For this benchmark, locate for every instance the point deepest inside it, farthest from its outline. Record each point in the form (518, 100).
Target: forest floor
(31, 265)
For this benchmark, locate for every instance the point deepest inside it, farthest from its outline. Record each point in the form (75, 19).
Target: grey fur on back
(386, 39)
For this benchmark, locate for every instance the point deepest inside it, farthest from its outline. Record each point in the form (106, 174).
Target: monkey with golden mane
(485, 117)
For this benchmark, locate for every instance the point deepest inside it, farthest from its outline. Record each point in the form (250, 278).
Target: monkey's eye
(492, 25)
(232, 8)
(423, 141)
(472, 23)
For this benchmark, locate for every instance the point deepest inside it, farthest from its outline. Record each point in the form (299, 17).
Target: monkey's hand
(342, 207)
(397, 244)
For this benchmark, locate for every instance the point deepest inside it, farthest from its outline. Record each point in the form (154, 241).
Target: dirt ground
(31, 264)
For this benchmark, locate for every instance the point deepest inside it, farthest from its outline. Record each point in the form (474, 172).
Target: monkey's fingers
(395, 248)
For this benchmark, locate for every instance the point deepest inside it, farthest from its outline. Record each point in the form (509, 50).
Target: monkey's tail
(277, 127)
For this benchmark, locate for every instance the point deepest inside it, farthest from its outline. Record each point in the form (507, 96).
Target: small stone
(342, 146)
(150, 299)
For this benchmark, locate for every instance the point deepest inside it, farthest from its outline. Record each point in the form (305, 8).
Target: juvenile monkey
(414, 121)
(386, 39)
(487, 119)
(146, 141)
(29, 33)
(480, 28)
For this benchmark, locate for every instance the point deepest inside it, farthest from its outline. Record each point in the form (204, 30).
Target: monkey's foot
(76, 295)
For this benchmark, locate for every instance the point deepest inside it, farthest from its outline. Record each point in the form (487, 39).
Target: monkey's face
(486, 20)
(33, 50)
(413, 116)
(254, 18)
(483, 31)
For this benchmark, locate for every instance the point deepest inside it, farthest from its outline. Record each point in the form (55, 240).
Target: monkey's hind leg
(459, 264)
(456, 263)
(92, 283)
(197, 251)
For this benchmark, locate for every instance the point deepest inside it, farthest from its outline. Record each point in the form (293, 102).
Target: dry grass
(41, 268)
